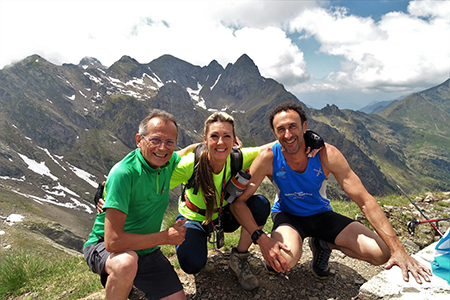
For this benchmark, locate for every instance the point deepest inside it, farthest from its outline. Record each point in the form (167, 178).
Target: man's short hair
(156, 113)
(285, 107)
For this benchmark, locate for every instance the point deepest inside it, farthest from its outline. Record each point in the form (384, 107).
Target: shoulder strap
(236, 160)
(192, 182)
(236, 166)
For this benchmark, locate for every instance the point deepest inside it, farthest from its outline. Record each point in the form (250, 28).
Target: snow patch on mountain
(39, 168)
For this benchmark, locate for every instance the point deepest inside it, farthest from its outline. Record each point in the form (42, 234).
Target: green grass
(442, 203)
(38, 277)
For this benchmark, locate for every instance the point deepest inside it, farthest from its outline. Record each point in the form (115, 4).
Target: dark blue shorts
(325, 226)
(155, 276)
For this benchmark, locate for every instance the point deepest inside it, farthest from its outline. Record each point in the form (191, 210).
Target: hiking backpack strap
(236, 166)
(192, 183)
(236, 160)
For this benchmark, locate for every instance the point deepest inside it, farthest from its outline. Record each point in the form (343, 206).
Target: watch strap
(256, 235)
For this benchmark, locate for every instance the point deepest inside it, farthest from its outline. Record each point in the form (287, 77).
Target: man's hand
(409, 264)
(271, 250)
(98, 198)
(99, 206)
(237, 143)
(313, 152)
(176, 233)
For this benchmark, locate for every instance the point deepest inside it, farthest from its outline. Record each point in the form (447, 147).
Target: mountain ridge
(63, 127)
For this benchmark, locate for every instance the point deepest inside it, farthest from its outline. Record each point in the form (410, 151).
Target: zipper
(157, 182)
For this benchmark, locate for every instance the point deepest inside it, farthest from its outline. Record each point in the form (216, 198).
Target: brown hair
(204, 175)
(285, 107)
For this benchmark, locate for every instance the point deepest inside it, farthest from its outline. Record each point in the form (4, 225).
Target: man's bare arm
(333, 161)
(270, 248)
(187, 149)
(117, 240)
(259, 169)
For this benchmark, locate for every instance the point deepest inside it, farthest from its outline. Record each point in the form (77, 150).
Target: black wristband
(256, 235)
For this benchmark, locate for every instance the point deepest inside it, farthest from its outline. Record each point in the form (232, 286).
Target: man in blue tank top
(302, 209)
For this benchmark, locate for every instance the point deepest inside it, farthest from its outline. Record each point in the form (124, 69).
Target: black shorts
(155, 275)
(325, 226)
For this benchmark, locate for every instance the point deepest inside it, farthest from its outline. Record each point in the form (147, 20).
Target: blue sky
(347, 53)
(320, 64)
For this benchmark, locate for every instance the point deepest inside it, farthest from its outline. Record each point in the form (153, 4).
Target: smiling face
(157, 156)
(289, 130)
(219, 139)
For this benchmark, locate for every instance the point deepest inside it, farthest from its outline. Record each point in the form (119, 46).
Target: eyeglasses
(156, 141)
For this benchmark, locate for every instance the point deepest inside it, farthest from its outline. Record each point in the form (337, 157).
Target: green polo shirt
(139, 191)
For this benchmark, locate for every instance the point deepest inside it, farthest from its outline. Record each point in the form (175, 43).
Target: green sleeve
(249, 155)
(118, 189)
(183, 170)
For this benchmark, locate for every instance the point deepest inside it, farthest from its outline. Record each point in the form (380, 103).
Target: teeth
(291, 141)
(159, 155)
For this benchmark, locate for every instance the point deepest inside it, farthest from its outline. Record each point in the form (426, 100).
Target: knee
(378, 254)
(260, 208)
(382, 258)
(190, 266)
(124, 266)
(190, 262)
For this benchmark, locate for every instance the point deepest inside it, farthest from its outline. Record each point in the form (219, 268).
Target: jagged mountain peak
(244, 66)
(125, 68)
(330, 109)
(33, 60)
(127, 59)
(239, 82)
(244, 59)
(90, 62)
(168, 58)
(214, 64)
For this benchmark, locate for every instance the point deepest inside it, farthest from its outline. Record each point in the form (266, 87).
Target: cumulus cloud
(261, 14)
(401, 51)
(195, 31)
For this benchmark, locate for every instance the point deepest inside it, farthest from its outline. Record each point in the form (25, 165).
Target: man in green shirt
(123, 246)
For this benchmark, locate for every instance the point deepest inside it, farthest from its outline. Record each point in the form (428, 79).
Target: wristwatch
(256, 235)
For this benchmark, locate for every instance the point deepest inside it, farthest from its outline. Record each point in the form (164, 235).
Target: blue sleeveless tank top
(300, 194)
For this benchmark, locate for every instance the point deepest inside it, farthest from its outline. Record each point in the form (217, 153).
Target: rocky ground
(216, 282)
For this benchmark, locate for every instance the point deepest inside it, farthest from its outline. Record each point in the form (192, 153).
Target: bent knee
(191, 267)
(381, 259)
(260, 208)
(378, 257)
(122, 265)
(190, 263)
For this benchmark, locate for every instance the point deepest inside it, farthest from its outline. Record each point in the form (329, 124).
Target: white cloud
(429, 8)
(261, 14)
(400, 51)
(195, 31)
